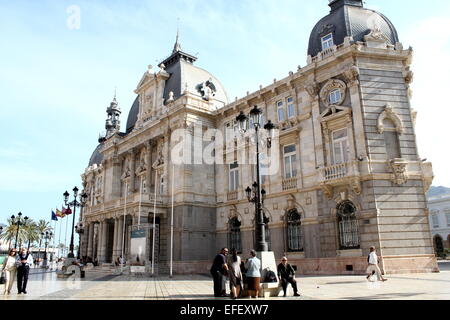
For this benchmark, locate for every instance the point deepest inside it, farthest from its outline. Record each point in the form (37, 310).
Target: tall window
(280, 111)
(448, 218)
(290, 161)
(290, 107)
(340, 146)
(327, 41)
(234, 177)
(348, 226)
(391, 140)
(234, 234)
(230, 130)
(294, 231)
(435, 219)
(335, 96)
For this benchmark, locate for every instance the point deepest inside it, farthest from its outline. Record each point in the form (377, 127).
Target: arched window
(234, 234)
(438, 245)
(348, 226)
(391, 140)
(294, 231)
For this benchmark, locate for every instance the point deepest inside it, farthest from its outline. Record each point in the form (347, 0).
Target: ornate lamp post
(47, 237)
(258, 194)
(80, 230)
(74, 204)
(18, 221)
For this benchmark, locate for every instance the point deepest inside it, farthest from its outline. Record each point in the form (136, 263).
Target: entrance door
(438, 245)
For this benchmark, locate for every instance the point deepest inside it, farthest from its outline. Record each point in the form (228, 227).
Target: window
(161, 186)
(327, 41)
(230, 130)
(290, 107)
(340, 146)
(234, 177)
(294, 231)
(234, 234)
(335, 96)
(348, 226)
(280, 111)
(391, 140)
(290, 161)
(435, 220)
(448, 219)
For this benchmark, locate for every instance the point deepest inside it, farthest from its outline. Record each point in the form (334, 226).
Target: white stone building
(350, 173)
(439, 207)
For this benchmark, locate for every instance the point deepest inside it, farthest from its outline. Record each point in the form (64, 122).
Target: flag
(59, 213)
(66, 211)
(54, 217)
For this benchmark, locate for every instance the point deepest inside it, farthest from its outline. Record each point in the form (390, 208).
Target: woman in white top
(10, 268)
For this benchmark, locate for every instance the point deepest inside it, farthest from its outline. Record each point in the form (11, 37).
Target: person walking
(373, 268)
(10, 269)
(218, 269)
(24, 262)
(286, 274)
(235, 274)
(253, 267)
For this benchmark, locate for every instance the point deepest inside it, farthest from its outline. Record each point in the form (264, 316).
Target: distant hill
(438, 191)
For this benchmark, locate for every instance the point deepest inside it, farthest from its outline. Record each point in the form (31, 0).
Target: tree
(10, 232)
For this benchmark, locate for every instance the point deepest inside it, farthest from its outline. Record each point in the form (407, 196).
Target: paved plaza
(102, 286)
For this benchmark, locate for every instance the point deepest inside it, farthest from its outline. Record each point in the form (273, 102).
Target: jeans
(22, 278)
(218, 282)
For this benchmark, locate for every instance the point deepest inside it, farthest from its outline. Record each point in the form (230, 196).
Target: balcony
(289, 184)
(232, 195)
(340, 174)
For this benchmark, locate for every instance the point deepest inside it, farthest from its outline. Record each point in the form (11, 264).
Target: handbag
(2, 278)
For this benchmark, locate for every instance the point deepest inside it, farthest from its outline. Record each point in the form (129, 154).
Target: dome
(97, 156)
(349, 18)
(133, 115)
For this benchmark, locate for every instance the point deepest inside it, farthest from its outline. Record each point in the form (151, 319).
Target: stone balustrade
(232, 195)
(289, 184)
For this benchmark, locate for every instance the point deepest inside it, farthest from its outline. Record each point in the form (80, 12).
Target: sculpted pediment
(332, 112)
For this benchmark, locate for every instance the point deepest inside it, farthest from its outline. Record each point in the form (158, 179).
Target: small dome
(133, 115)
(97, 156)
(349, 18)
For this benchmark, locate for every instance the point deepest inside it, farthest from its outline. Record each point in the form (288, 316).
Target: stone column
(116, 228)
(90, 243)
(313, 91)
(99, 240)
(119, 235)
(148, 174)
(132, 169)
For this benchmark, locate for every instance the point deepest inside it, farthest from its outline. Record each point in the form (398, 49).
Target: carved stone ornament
(126, 169)
(376, 35)
(330, 86)
(326, 29)
(142, 166)
(352, 75)
(409, 76)
(389, 113)
(327, 190)
(312, 89)
(207, 89)
(399, 175)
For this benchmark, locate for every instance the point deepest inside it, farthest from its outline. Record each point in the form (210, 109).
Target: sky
(57, 76)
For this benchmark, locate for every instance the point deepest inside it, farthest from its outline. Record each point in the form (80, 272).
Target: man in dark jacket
(286, 274)
(218, 269)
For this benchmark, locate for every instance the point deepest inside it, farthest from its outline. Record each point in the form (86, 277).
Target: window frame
(435, 221)
(291, 225)
(234, 234)
(327, 43)
(333, 93)
(233, 172)
(280, 107)
(288, 108)
(345, 154)
(293, 164)
(348, 227)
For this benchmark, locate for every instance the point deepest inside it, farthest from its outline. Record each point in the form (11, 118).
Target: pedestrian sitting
(286, 274)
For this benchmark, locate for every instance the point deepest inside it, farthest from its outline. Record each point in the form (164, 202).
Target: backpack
(270, 276)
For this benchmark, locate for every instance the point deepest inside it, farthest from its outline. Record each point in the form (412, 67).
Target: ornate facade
(350, 173)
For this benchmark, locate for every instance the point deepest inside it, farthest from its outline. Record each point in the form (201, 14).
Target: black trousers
(217, 278)
(286, 281)
(22, 278)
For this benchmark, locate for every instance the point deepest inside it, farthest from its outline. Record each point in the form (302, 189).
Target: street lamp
(48, 236)
(18, 221)
(255, 194)
(80, 230)
(74, 204)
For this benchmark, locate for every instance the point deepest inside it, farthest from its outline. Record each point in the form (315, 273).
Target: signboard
(138, 246)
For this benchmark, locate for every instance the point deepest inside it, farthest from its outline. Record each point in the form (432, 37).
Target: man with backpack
(286, 274)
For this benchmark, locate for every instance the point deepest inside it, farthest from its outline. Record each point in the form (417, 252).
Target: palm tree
(44, 226)
(10, 232)
(31, 232)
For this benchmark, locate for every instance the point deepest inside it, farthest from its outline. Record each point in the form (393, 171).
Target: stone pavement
(101, 286)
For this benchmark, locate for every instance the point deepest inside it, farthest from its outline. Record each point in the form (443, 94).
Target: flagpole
(65, 240)
(140, 204)
(59, 239)
(123, 229)
(154, 225)
(171, 224)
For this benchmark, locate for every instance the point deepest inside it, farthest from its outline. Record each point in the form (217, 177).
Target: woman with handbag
(9, 268)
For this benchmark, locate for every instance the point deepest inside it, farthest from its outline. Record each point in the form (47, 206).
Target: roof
(96, 157)
(133, 115)
(349, 18)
